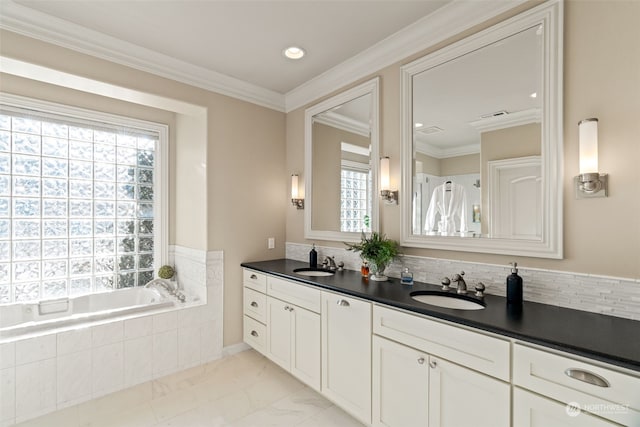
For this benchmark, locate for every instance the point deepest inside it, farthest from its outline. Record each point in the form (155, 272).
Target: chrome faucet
(462, 285)
(329, 263)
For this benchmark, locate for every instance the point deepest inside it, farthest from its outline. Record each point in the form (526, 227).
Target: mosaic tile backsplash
(614, 296)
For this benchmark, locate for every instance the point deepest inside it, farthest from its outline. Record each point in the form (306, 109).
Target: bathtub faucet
(170, 287)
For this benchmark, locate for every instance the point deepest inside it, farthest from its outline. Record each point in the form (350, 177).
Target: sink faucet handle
(445, 284)
(480, 290)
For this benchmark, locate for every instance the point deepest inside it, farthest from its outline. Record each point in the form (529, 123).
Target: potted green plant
(378, 251)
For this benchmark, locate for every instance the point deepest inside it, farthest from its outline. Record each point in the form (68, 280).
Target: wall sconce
(389, 197)
(295, 199)
(590, 183)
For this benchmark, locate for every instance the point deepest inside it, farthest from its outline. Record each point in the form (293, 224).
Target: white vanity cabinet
(293, 329)
(346, 353)
(391, 367)
(282, 321)
(427, 377)
(400, 385)
(605, 396)
(533, 410)
(293, 340)
(254, 309)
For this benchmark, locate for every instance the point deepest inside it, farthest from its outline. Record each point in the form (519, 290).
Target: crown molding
(532, 115)
(443, 23)
(451, 19)
(444, 153)
(28, 22)
(339, 121)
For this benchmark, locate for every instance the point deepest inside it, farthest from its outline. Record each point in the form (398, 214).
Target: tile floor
(242, 390)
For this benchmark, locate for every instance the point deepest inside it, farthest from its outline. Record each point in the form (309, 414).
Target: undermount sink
(313, 272)
(446, 300)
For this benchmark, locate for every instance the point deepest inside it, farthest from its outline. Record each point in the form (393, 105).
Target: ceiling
(243, 39)
(456, 100)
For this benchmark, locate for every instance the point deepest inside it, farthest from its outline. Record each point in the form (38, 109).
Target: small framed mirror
(482, 141)
(341, 171)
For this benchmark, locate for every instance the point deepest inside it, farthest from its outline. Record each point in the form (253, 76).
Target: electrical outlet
(271, 242)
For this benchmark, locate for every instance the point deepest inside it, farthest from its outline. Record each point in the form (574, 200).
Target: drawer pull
(254, 304)
(254, 277)
(587, 377)
(343, 303)
(254, 333)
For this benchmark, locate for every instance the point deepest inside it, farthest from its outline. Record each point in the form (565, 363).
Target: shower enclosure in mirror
(482, 141)
(341, 139)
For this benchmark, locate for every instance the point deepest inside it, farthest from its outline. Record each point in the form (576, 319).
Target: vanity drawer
(255, 334)
(255, 304)
(294, 293)
(549, 374)
(254, 280)
(473, 350)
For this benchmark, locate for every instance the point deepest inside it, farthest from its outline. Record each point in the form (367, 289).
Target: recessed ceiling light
(534, 95)
(293, 52)
(418, 125)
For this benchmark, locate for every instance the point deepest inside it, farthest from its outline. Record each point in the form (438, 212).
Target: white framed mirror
(341, 165)
(482, 142)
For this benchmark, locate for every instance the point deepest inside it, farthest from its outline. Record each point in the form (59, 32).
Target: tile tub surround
(613, 296)
(51, 372)
(245, 389)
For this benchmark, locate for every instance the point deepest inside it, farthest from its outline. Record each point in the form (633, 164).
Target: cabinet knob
(286, 307)
(421, 360)
(254, 333)
(343, 303)
(254, 304)
(433, 364)
(254, 277)
(290, 308)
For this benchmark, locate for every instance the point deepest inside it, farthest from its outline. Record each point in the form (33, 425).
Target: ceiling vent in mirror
(496, 114)
(429, 130)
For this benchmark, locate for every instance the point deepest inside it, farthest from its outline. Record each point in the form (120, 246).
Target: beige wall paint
(601, 69)
(325, 185)
(460, 165)
(239, 205)
(430, 165)
(327, 161)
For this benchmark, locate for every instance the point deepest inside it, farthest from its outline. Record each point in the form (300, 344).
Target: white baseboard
(230, 350)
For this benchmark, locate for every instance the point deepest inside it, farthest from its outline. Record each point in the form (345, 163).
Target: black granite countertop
(608, 339)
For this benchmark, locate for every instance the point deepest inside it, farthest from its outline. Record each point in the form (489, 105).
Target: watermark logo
(573, 409)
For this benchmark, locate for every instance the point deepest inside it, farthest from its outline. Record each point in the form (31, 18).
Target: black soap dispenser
(514, 287)
(313, 257)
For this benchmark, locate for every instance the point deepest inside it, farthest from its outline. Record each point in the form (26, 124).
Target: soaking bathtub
(33, 317)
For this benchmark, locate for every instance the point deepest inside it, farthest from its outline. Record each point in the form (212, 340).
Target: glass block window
(77, 203)
(355, 200)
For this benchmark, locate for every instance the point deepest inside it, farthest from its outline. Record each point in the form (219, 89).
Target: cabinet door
(461, 397)
(279, 332)
(305, 336)
(532, 410)
(400, 385)
(346, 354)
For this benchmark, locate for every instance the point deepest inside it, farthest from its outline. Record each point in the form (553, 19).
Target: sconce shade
(384, 173)
(588, 133)
(294, 186)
